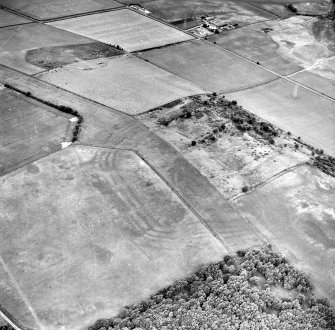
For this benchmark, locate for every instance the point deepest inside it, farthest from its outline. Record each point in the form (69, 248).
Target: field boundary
(270, 179)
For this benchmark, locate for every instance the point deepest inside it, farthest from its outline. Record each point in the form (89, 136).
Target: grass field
(130, 30)
(125, 83)
(28, 130)
(7, 19)
(234, 12)
(47, 9)
(293, 109)
(80, 257)
(15, 41)
(296, 212)
(207, 65)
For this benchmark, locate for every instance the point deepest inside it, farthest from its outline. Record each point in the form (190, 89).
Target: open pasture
(229, 11)
(28, 130)
(80, 257)
(48, 9)
(284, 46)
(130, 30)
(208, 66)
(7, 19)
(16, 41)
(296, 213)
(125, 83)
(295, 109)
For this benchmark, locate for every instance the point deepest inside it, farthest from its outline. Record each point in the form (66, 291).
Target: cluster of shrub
(235, 293)
(62, 108)
(325, 163)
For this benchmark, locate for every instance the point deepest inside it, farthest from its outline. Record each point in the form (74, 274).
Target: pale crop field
(125, 83)
(126, 28)
(295, 109)
(83, 256)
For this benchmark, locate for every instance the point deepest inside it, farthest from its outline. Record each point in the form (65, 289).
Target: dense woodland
(256, 289)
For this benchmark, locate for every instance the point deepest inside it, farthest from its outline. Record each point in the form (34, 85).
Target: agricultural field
(296, 212)
(284, 46)
(28, 130)
(80, 257)
(7, 19)
(207, 65)
(295, 109)
(229, 11)
(126, 28)
(17, 41)
(230, 156)
(143, 86)
(48, 9)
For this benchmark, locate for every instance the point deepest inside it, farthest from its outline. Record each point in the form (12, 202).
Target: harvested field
(58, 56)
(143, 86)
(80, 257)
(296, 212)
(221, 71)
(7, 19)
(229, 11)
(16, 41)
(227, 154)
(294, 109)
(48, 9)
(29, 130)
(130, 30)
